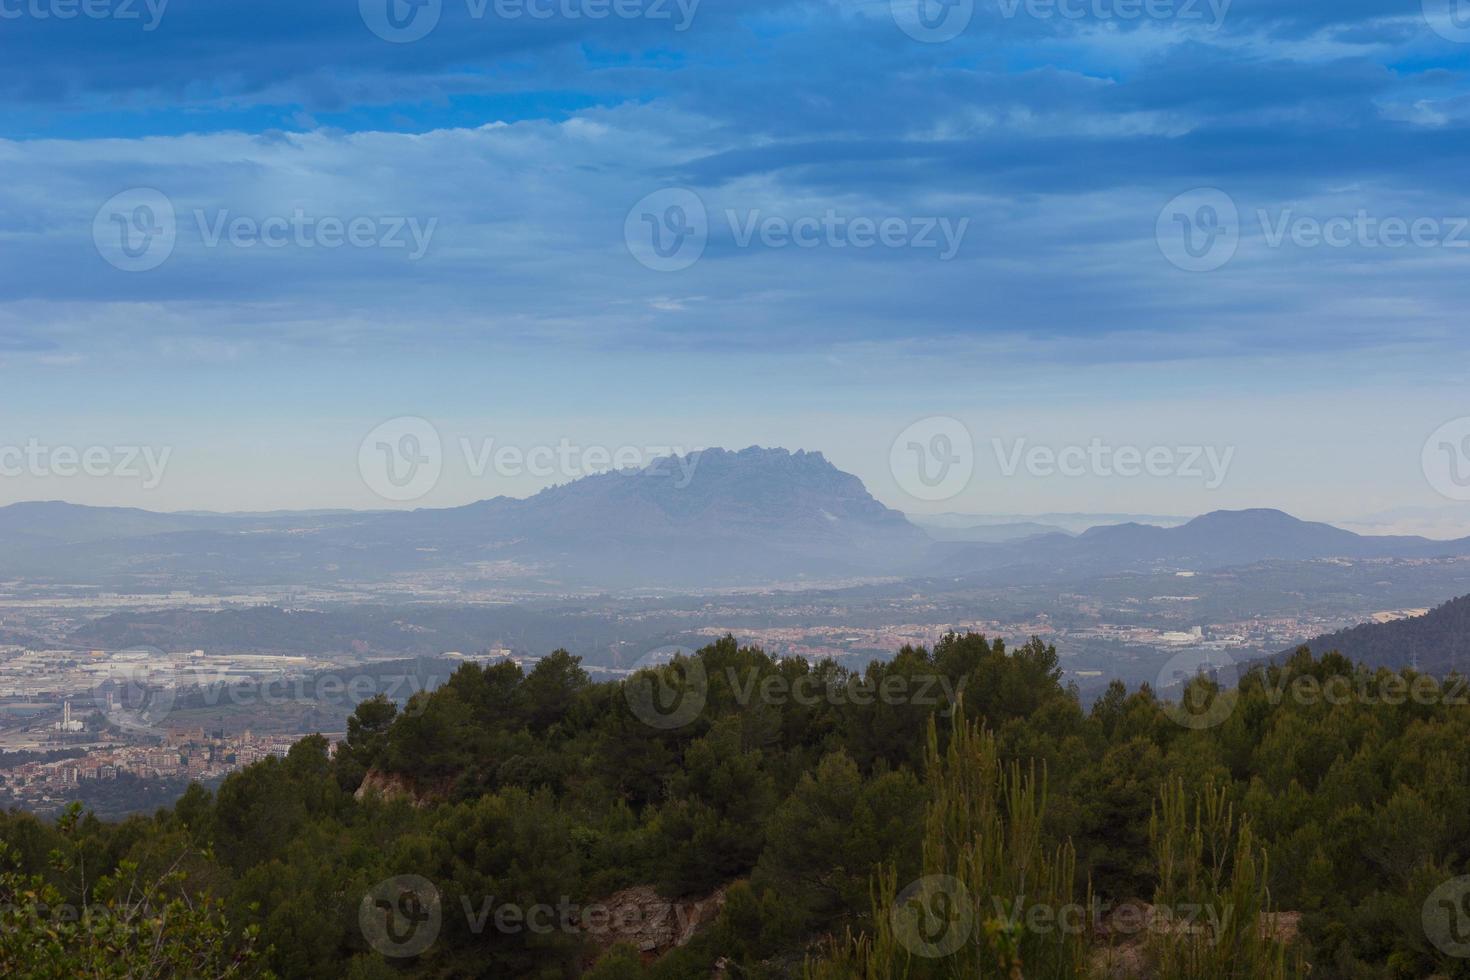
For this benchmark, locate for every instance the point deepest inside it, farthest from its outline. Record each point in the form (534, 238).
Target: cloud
(495, 161)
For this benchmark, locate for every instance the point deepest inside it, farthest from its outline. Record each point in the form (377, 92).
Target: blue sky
(1059, 143)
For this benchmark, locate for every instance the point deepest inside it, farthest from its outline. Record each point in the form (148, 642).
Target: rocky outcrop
(643, 919)
(392, 786)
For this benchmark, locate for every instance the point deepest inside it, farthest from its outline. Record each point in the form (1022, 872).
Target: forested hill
(952, 812)
(1435, 643)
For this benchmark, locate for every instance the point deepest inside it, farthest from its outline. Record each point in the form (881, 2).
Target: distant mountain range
(1217, 540)
(985, 527)
(984, 533)
(753, 517)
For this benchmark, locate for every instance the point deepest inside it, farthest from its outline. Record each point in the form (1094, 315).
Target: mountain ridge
(715, 518)
(1218, 539)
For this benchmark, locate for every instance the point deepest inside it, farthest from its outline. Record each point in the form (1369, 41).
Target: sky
(992, 256)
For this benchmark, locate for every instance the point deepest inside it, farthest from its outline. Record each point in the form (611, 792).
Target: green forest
(951, 812)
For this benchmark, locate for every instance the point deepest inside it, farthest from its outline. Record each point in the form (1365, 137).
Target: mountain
(1215, 540)
(1436, 643)
(758, 515)
(712, 518)
(55, 522)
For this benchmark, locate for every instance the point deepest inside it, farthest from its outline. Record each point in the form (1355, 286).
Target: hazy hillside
(54, 521)
(721, 518)
(1435, 643)
(1216, 540)
(715, 518)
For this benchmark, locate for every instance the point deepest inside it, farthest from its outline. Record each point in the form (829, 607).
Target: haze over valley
(779, 549)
